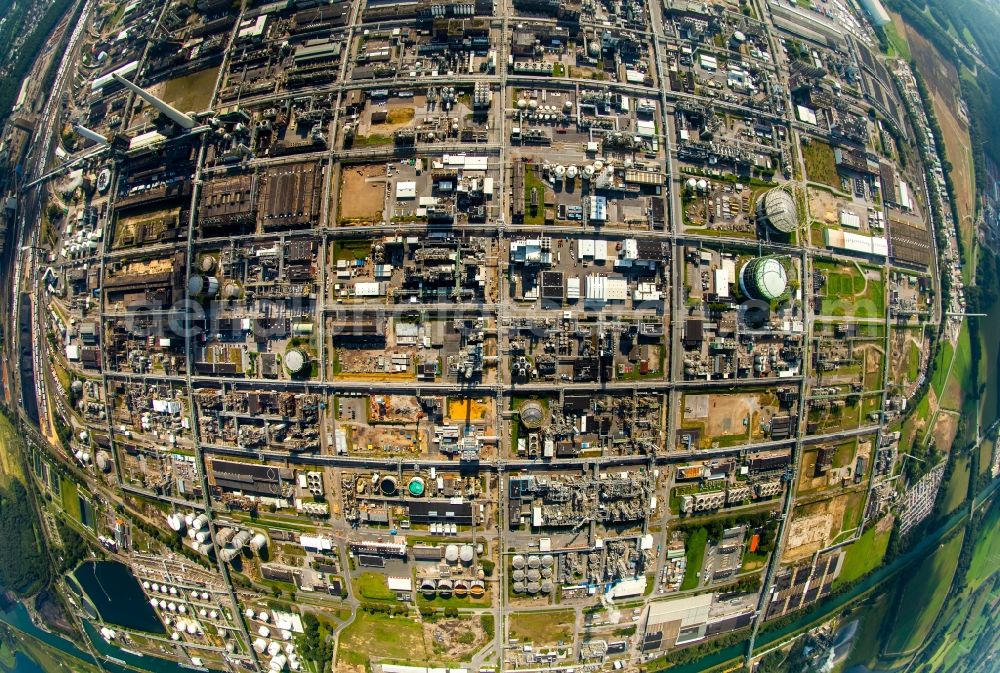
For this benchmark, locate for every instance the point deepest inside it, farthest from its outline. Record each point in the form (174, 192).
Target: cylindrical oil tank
(467, 553)
(477, 589)
(517, 575)
(203, 286)
(534, 575)
(241, 539)
(547, 561)
(444, 588)
(461, 588)
(206, 548)
(388, 485)
(259, 645)
(224, 535)
(546, 572)
(518, 587)
(534, 562)
(547, 587)
(156, 587)
(416, 487)
(428, 587)
(533, 587)
(258, 542)
(202, 536)
(274, 648)
(295, 360)
(200, 522)
(517, 561)
(451, 553)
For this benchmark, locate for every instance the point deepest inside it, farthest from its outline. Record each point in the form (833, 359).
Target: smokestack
(90, 135)
(175, 115)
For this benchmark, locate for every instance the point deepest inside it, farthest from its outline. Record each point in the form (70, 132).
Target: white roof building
(317, 542)
(399, 583)
(602, 288)
(573, 287)
(368, 289)
(406, 190)
(598, 208)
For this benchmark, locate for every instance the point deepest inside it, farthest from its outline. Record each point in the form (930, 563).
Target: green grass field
(924, 591)
(695, 550)
(852, 512)
(70, 498)
(351, 249)
(396, 638)
(986, 554)
(848, 293)
(543, 628)
(532, 181)
(897, 43)
(863, 556)
(941, 364)
(912, 362)
(961, 373)
(957, 486)
(821, 166)
(373, 587)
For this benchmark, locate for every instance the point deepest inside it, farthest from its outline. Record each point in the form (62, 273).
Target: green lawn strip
(694, 548)
(70, 498)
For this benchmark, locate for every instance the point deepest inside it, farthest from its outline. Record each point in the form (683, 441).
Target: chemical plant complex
(515, 335)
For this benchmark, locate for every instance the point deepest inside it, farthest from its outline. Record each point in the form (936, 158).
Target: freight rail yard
(489, 336)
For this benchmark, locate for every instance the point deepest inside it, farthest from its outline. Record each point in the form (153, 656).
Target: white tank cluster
(231, 543)
(532, 574)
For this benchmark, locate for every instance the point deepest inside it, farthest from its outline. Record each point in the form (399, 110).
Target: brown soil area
(444, 637)
(727, 413)
(945, 429)
(362, 192)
